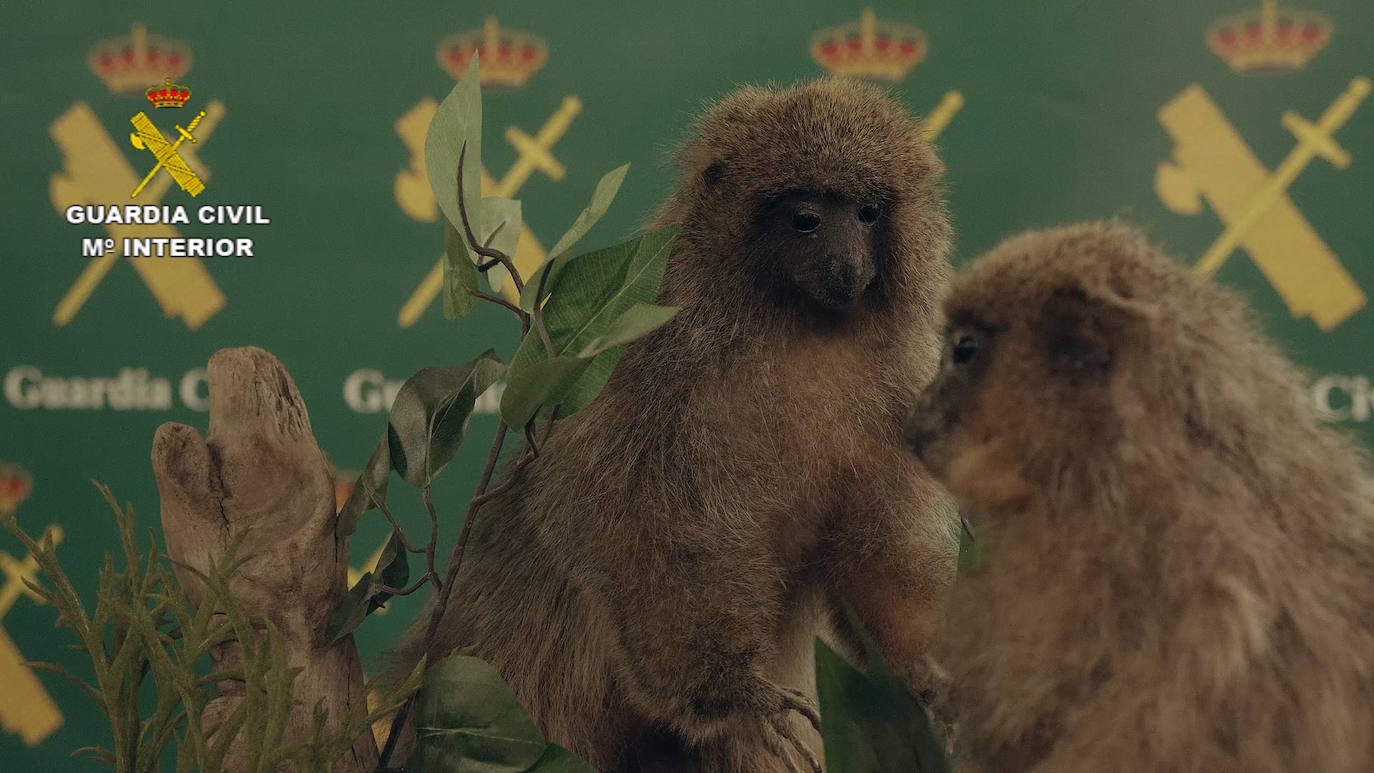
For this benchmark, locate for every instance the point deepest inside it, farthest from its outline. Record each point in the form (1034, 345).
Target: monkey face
(822, 247)
(1052, 360)
(818, 205)
(950, 430)
(1007, 384)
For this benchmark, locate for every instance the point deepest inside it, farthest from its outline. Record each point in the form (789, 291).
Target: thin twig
(396, 527)
(496, 492)
(486, 252)
(548, 427)
(530, 440)
(499, 300)
(510, 480)
(446, 588)
(406, 591)
(491, 237)
(433, 544)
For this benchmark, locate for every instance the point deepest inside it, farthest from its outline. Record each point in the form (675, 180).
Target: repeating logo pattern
(1269, 39)
(94, 171)
(1212, 163)
(883, 52)
(26, 709)
(506, 59)
(1211, 169)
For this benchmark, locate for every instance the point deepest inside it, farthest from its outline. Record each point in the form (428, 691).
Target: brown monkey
(1180, 557)
(652, 586)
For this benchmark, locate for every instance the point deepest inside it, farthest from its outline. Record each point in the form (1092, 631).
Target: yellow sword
(185, 135)
(1313, 140)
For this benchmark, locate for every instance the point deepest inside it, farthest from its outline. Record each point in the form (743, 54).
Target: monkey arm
(696, 615)
(893, 561)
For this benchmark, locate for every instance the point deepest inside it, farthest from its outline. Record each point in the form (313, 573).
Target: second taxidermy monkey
(1180, 557)
(652, 586)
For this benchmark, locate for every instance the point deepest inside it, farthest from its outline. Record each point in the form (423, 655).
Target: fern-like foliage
(149, 648)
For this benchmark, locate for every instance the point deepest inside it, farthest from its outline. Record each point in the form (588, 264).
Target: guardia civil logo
(1211, 163)
(508, 59)
(26, 709)
(96, 172)
(883, 52)
(147, 136)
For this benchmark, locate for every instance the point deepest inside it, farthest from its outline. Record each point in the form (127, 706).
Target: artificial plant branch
(480, 249)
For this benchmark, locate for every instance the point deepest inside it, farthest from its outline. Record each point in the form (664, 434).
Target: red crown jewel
(1269, 38)
(168, 94)
(15, 485)
(128, 64)
(871, 49)
(506, 57)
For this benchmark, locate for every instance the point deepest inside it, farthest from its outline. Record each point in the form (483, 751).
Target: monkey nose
(843, 285)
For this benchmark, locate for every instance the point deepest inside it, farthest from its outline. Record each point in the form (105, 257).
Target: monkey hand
(775, 705)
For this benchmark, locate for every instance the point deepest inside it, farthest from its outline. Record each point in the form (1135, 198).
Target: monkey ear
(713, 175)
(1082, 333)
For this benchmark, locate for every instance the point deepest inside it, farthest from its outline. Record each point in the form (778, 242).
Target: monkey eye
(806, 222)
(964, 349)
(868, 213)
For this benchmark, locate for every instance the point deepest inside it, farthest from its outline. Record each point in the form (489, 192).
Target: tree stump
(259, 467)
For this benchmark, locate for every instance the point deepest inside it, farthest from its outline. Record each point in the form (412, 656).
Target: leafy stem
(444, 588)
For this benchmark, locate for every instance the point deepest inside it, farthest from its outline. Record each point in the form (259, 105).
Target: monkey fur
(1179, 570)
(652, 586)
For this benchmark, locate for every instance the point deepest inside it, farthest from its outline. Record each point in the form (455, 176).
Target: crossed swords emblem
(1211, 162)
(94, 171)
(25, 707)
(148, 136)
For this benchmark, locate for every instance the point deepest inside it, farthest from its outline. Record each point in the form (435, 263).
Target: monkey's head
(818, 199)
(1079, 352)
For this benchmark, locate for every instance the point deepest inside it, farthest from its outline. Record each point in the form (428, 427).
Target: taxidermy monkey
(652, 586)
(1179, 570)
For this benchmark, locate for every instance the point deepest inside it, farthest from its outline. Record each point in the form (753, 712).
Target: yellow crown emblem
(168, 94)
(15, 485)
(507, 57)
(128, 64)
(871, 49)
(1269, 38)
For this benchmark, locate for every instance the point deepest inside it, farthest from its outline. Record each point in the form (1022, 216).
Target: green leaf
(539, 384)
(369, 489)
(501, 217)
(594, 291)
(973, 552)
(461, 278)
(878, 669)
(430, 413)
(365, 597)
(871, 726)
(466, 719)
(392, 570)
(637, 321)
(456, 131)
(556, 759)
(351, 611)
(606, 189)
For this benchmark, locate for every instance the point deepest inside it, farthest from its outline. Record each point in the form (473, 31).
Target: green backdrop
(1052, 111)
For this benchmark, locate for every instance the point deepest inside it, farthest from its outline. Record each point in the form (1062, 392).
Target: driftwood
(259, 467)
